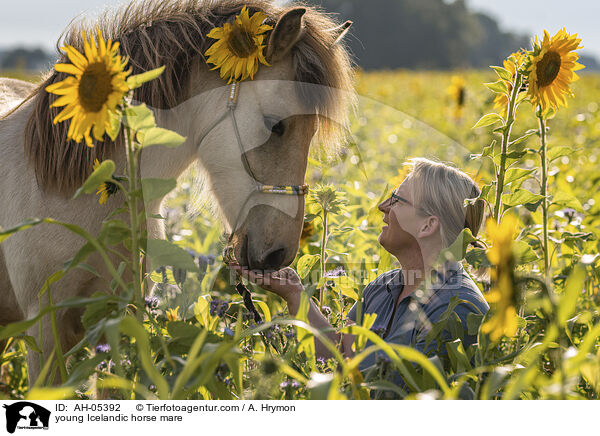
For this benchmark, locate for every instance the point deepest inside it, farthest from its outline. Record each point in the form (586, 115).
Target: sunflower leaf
(139, 79)
(114, 125)
(100, 175)
(157, 188)
(159, 136)
(503, 73)
(499, 86)
(520, 197)
(165, 253)
(488, 119)
(139, 117)
(305, 264)
(515, 174)
(566, 200)
(524, 137)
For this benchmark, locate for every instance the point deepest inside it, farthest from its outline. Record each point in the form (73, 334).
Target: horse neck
(193, 119)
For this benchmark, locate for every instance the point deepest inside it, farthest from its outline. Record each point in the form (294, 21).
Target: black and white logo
(26, 415)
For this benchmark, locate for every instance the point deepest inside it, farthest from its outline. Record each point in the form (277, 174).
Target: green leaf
(139, 117)
(520, 197)
(139, 79)
(514, 155)
(523, 138)
(157, 188)
(488, 151)
(503, 73)
(499, 87)
(114, 125)
(515, 174)
(488, 119)
(100, 175)
(346, 286)
(523, 252)
(5, 234)
(131, 327)
(477, 258)
(182, 329)
(159, 136)
(458, 357)
(305, 264)
(560, 151)
(473, 323)
(566, 200)
(94, 312)
(458, 249)
(114, 232)
(573, 288)
(164, 253)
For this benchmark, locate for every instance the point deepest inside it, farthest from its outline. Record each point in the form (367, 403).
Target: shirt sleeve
(352, 312)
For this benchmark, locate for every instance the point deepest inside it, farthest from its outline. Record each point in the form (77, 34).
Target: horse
(302, 97)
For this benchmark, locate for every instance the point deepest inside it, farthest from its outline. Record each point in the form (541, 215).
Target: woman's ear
(430, 226)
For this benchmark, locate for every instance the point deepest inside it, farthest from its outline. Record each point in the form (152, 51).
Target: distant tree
(422, 34)
(25, 59)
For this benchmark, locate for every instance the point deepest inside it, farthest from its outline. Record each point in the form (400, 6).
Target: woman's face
(402, 220)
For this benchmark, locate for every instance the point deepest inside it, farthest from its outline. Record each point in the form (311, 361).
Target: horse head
(267, 142)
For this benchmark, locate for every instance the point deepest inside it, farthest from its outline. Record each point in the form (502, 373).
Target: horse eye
(274, 125)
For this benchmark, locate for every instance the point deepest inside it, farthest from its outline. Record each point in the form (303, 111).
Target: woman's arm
(287, 284)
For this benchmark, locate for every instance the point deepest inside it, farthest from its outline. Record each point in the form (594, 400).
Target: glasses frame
(395, 198)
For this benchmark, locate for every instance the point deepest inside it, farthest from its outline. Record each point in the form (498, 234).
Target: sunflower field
(535, 157)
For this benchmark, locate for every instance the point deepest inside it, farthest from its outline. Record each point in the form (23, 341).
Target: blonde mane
(172, 33)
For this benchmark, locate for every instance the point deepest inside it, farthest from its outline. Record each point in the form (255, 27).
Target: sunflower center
(240, 42)
(94, 87)
(548, 68)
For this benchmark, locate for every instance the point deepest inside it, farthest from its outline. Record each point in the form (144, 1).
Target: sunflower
(106, 189)
(551, 69)
(94, 89)
(172, 314)
(457, 93)
(511, 64)
(239, 46)
(503, 293)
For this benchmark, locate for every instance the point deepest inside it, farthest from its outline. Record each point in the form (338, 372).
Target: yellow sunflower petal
(68, 68)
(63, 87)
(75, 57)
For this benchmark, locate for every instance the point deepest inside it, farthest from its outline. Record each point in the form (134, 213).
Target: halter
(232, 99)
(228, 256)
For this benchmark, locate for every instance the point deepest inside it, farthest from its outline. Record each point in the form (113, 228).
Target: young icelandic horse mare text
(305, 92)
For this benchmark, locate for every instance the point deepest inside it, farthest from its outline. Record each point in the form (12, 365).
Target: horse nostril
(273, 259)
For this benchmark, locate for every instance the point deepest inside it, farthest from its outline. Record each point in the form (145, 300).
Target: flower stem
(544, 190)
(322, 260)
(510, 119)
(132, 200)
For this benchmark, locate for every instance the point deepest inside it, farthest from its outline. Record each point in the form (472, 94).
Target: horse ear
(286, 33)
(341, 30)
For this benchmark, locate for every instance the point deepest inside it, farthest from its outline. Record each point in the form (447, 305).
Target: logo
(26, 415)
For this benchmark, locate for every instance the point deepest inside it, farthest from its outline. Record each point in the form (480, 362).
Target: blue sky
(40, 22)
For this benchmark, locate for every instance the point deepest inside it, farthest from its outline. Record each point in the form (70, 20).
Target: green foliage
(206, 350)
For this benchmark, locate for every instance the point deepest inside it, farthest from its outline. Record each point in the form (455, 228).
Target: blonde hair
(439, 189)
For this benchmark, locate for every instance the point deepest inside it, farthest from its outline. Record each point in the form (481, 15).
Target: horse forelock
(155, 33)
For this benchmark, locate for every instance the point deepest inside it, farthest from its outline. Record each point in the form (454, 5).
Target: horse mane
(172, 33)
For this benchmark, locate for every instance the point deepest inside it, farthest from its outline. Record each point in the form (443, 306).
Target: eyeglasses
(395, 198)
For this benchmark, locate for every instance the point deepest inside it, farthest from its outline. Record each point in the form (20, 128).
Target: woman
(424, 215)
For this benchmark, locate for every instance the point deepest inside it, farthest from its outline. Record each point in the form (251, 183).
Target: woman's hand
(285, 282)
